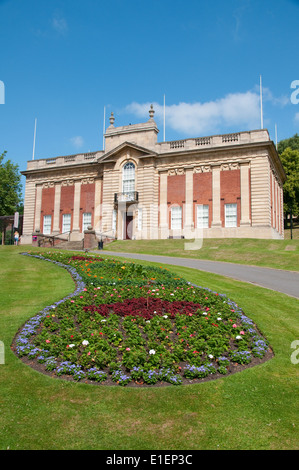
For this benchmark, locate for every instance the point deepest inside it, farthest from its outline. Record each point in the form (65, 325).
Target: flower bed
(128, 324)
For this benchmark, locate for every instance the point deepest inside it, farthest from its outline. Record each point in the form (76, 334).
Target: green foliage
(292, 143)
(288, 150)
(10, 186)
(290, 161)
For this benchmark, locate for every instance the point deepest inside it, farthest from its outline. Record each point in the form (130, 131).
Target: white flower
(165, 316)
(219, 318)
(211, 356)
(71, 345)
(152, 351)
(147, 321)
(85, 342)
(103, 320)
(204, 313)
(238, 337)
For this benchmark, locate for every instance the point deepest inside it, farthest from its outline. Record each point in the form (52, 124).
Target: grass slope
(256, 409)
(280, 254)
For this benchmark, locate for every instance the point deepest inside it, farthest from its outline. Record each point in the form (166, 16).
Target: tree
(288, 150)
(290, 161)
(10, 187)
(292, 143)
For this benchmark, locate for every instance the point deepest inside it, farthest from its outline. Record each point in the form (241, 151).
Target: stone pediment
(113, 154)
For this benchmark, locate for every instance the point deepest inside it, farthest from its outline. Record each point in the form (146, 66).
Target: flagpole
(276, 136)
(33, 152)
(104, 128)
(164, 118)
(261, 101)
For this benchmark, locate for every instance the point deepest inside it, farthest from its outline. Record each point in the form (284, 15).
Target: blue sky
(62, 62)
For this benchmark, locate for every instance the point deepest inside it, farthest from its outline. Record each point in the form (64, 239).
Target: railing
(128, 196)
(44, 239)
(177, 144)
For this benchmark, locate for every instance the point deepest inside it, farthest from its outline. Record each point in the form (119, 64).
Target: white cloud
(77, 141)
(59, 24)
(274, 100)
(240, 110)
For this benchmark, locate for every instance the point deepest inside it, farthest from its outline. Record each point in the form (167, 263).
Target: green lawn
(254, 409)
(280, 254)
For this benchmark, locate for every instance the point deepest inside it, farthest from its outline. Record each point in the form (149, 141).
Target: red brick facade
(66, 204)
(87, 202)
(202, 193)
(47, 207)
(176, 190)
(230, 192)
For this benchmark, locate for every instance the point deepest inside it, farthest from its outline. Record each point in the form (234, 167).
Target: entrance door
(128, 227)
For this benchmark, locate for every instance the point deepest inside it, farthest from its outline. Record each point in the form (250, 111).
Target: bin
(100, 245)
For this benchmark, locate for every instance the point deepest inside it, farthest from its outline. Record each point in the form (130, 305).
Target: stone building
(138, 188)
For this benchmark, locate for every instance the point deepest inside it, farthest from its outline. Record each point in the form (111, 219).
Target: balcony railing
(129, 196)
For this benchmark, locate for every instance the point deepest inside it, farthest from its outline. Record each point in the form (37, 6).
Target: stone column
(189, 222)
(275, 203)
(56, 217)
(281, 212)
(76, 215)
(163, 205)
(38, 206)
(245, 196)
(216, 217)
(97, 204)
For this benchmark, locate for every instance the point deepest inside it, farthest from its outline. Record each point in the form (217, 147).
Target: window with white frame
(230, 215)
(114, 216)
(86, 220)
(139, 220)
(47, 225)
(129, 177)
(203, 216)
(176, 217)
(66, 223)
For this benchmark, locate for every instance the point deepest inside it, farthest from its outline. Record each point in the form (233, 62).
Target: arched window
(129, 177)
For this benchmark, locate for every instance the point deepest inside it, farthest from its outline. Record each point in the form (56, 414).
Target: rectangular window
(47, 224)
(66, 223)
(176, 218)
(203, 216)
(230, 215)
(86, 220)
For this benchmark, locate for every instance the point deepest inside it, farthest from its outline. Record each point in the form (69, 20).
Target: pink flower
(234, 325)
(242, 332)
(48, 341)
(128, 349)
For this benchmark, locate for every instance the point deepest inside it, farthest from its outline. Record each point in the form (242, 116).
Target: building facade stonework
(138, 188)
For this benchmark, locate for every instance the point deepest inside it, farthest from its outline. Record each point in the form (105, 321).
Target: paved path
(279, 280)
